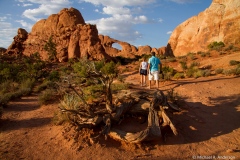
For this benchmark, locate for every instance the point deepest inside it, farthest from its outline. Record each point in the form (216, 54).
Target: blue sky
(138, 22)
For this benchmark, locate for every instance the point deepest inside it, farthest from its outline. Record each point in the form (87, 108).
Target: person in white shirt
(143, 71)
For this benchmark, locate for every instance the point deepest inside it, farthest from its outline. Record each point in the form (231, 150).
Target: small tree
(50, 47)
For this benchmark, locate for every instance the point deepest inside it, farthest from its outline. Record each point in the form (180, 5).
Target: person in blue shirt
(154, 64)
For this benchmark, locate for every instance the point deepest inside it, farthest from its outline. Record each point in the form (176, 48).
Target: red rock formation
(73, 38)
(128, 50)
(219, 22)
(17, 45)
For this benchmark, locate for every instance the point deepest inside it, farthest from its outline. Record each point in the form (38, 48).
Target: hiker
(154, 64)
(143, 71)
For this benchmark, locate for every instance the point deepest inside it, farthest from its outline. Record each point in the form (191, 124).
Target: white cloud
(26, 25)
(182, 1)
(123, 16)
(169, 32)
(160, 20)
(45, 7)
(119, 3)
(27, 4)
(7, 32)
(116, 10)
(3, 18)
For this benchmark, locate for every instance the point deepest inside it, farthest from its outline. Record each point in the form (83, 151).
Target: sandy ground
(208, 127)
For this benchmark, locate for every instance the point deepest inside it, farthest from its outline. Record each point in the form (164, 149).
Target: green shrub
(54, 76)
(228, 72)
(178, 75)
(26, 86)
(206, 73)
(46, 84)
(46, 96)
(234, 62)
(168, 76)
(50, 47)
(216, 46)
(182, 57)
(120, 86)
(230, 47)
(190, 72)
(183, 65)
(237, 70)
(219, 71)
(236, 49)
(171, 59)
(168, 72)
(194, 64)
(5, 98)
(69, 102)
(198, 73)
(109, 68)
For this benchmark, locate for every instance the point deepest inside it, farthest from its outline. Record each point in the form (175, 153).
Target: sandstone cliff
(219, 22)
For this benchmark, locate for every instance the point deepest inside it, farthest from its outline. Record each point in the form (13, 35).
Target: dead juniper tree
(87, 115)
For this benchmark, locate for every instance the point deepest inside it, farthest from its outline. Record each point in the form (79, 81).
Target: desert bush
(236, 49)
(231, 47)
(92, 91)
(54, 76)
(237, 70)
(194, 64)
(120, 78)
(219, 71)
(69, 102)
(50, 47)
(46, 96)
(5, 98)
(168, 72)
(197, 73)
(216, 46)
(171, 59)
(233, 62)
(183, 65)
(192, 55)
(44, 85)
(204, 54)
(233, 71)
(14, 90)
(178, 75)
(191, 71)
(120, 86)
(206, 72)
(26, 86)
(229, 72)
(182, 57)
(167, 76)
